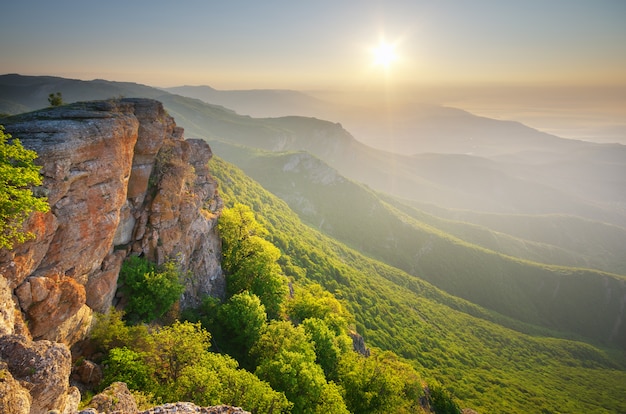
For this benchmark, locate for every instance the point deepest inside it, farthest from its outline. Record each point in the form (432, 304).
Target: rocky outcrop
(121, 180)
(115, 398)
(14, 398)
(42, 368)
(189, 408)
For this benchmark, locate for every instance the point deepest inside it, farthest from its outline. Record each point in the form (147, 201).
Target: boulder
(116, 398)
(41, 367)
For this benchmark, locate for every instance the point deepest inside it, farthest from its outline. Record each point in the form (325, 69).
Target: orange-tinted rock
(63, 298)
(7, 313)
(116, 398)
(120, 180)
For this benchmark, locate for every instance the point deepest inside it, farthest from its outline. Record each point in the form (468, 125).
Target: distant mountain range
(256, 102)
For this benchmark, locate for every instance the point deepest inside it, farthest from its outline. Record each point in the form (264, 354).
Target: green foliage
(55, 99)
(441, 401)
(241, 318)
(250, 261)
(313, 301)
(173, 363)
(485, 364)
(287, 361)
(177, 346)
(329, 346)
(18, 173)
(380, 383)
(151, 290)
(110, 331)
(559, 298)
(126, 365)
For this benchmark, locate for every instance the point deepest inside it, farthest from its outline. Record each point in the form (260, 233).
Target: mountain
(412, 128)
(255, 102)
(557, 297)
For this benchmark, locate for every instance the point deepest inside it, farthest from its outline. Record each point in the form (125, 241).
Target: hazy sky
(317, 44)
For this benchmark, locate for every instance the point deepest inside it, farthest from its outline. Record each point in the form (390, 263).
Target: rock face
(41, 367)
(121, 180)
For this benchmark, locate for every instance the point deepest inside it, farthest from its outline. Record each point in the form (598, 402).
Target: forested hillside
(493, 274)
(485, 365)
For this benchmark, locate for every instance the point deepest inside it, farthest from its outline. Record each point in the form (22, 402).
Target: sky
(317, 44)
(501, 58)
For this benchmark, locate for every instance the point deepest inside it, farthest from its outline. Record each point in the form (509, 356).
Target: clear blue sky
(316, 44)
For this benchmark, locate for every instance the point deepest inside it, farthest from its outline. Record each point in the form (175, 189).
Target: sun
(384, 54)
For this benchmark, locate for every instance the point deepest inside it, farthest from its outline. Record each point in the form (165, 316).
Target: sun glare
(384, 54)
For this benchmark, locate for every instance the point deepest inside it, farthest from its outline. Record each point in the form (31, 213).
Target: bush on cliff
(151, 290)
(18, 173)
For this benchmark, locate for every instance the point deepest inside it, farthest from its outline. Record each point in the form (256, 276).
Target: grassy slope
(581, 301)
(487, 366)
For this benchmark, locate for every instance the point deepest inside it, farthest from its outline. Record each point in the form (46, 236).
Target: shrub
(18, 173)
(151, 290)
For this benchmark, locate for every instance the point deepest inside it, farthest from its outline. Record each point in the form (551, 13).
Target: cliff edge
(121, 180)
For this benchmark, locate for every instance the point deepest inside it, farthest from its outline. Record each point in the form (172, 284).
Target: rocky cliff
(121, 180)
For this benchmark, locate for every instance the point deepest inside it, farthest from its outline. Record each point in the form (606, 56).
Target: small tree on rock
(55, 99)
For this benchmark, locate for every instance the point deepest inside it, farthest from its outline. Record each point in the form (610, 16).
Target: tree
(173, 363)
(380, 383)
(55, 99)
(241, 319)
(151, 290)
(250, 262)
(441, 401)
(314, 302)
(329, 347)
(18, 173)
(126, 365)
(178, 346)
(287, 361)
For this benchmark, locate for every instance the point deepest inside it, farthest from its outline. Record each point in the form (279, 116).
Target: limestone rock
(189, 408)
(7, 313)
(54, 300)
(115, 398)
(358, 344)
(73, 329)
(87, 373)
(120, 179)
(13, 397)
(72, 401)
(42, 367)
